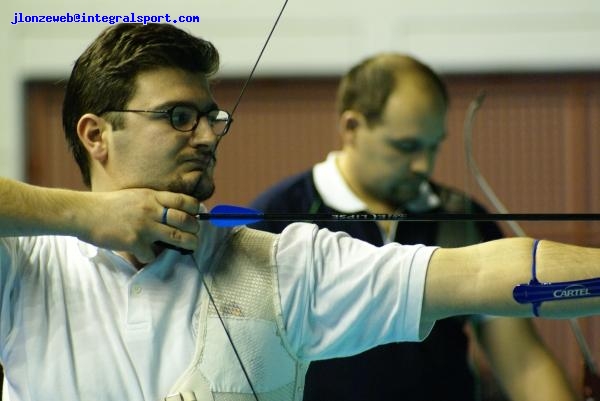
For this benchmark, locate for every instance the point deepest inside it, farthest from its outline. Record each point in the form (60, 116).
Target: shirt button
(137, 290)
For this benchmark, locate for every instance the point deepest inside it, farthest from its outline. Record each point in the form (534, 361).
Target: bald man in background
(392, 110)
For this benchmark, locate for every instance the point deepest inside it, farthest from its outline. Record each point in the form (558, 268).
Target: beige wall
(314, 38)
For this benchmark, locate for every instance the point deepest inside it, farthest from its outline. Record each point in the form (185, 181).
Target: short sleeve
(341, 296)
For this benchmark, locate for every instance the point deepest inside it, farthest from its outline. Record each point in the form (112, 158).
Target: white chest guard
(244, 287)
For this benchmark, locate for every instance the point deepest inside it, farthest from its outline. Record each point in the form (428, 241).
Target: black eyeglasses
(185, 118)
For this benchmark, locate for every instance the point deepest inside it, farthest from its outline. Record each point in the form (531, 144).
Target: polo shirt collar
(337, 194)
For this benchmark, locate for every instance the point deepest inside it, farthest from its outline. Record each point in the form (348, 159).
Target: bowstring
(212, 301)
(229, 338)
(258, 59)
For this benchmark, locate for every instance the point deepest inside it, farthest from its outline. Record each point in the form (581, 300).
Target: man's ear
(349, 123)
(91, 130)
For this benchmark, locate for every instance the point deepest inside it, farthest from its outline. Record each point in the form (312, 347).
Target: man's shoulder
(42, 242)
(34, 252)
(294, 194)
(289, 191)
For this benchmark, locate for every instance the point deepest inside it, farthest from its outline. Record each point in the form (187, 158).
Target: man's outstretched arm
(481, 278)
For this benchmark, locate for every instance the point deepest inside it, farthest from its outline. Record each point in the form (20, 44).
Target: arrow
(230, 215)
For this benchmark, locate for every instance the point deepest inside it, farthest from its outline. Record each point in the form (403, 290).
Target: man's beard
(202, 189)
(397, 195)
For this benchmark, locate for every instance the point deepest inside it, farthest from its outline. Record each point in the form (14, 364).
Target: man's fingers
(184, 203)
(178, 219)
(176, 237)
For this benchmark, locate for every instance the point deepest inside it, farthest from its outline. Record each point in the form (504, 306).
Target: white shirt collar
(337, 194)
(333, 188)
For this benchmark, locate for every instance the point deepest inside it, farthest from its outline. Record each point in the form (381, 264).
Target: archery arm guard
(535, 292)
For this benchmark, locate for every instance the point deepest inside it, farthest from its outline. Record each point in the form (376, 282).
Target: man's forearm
(481, 278)
(30, 210)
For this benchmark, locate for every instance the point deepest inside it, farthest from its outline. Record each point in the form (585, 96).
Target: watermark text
(21, 18)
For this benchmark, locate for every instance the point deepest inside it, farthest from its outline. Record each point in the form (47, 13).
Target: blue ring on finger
(164, 215)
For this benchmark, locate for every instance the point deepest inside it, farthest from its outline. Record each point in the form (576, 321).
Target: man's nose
(203, 134)
(421, 162)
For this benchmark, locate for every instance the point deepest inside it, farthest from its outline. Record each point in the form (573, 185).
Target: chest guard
(243, 284)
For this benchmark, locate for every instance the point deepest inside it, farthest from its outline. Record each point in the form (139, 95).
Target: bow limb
(514, 226)
(474, 169)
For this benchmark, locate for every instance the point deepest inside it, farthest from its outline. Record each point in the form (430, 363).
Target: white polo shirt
(81, 323)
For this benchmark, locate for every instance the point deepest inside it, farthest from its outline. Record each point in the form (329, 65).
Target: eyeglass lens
(185, 118)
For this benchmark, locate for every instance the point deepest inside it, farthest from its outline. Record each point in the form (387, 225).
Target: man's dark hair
(368, 85)
(104, 76)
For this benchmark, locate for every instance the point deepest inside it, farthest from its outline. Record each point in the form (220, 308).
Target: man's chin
(201, 189)
(204, 193)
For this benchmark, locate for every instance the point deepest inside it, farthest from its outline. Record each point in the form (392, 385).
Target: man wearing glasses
(94, 307)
